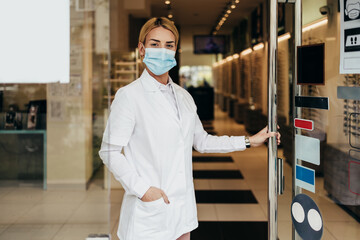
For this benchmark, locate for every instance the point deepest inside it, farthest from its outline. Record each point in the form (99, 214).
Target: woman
(155, 122)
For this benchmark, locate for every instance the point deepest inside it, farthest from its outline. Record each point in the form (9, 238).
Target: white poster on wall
(35, 41)
(350, 36)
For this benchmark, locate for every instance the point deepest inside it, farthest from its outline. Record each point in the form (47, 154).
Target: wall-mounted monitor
(311, 64)
(210, 44)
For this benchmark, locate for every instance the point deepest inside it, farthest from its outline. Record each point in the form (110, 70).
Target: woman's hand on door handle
(262, 136)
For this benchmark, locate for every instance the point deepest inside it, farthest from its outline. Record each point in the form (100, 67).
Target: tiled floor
(31, 213)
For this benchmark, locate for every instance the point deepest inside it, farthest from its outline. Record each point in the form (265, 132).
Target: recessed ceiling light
(233, 6)
(167, 2)
(228, 11)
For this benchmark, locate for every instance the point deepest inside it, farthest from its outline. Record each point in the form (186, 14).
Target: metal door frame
(274, 186)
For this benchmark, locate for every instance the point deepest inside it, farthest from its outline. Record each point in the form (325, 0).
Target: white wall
(69, 114)
(311, 10)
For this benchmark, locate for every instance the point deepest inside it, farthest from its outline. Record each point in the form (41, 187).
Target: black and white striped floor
(221, 194)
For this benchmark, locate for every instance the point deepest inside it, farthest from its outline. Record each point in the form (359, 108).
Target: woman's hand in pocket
(153, 194)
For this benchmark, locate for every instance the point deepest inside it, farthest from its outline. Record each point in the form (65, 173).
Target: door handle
(280, 177)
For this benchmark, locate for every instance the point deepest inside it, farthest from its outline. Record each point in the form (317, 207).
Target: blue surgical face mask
(159, 60)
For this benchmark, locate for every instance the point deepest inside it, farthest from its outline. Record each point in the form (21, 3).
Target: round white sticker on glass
(298, 212)
(314, 219)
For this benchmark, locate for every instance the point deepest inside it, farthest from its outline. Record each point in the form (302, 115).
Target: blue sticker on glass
(305, 178)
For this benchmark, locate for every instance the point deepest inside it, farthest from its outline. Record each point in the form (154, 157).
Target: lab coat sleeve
(121, 122)
(122, 170)
(117, 134)
(206, 143)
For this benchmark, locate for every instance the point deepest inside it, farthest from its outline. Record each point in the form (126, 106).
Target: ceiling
(204, 12)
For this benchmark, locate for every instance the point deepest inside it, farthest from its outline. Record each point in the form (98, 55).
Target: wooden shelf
(125, 63)
(125, 71)
(121, 80)
(111, 97)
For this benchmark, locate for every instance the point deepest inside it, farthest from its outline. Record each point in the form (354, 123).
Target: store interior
(53, 184)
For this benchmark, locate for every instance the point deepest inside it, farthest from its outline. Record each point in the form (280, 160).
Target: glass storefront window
(50, 135)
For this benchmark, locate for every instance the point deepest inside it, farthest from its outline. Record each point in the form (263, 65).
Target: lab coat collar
(150, 83)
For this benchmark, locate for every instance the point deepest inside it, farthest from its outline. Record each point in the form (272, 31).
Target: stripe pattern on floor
(217, 174)
(212, 159)
(230, 231)
(225, 230)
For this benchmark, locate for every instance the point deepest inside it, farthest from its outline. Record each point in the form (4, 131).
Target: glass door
(321, 197)
(51, 177)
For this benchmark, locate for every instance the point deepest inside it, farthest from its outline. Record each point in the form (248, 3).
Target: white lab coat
(158, 152)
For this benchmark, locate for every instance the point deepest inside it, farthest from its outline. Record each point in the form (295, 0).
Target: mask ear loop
(142, 56)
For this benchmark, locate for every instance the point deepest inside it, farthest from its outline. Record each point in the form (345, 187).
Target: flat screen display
(208, 44)
(310, 60)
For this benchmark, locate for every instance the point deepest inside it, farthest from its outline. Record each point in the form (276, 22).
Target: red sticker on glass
(304, 124)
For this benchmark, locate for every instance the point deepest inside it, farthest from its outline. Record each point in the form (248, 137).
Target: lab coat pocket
(150, 219)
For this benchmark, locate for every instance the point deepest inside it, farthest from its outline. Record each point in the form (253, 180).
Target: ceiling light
(167, 2)
(246, 51)
(284, 37)
(231, 4)
(230, 58)
(258, 46)
(315, 25)
(170, 16)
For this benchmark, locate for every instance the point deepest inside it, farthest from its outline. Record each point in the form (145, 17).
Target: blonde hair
(158, 22)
